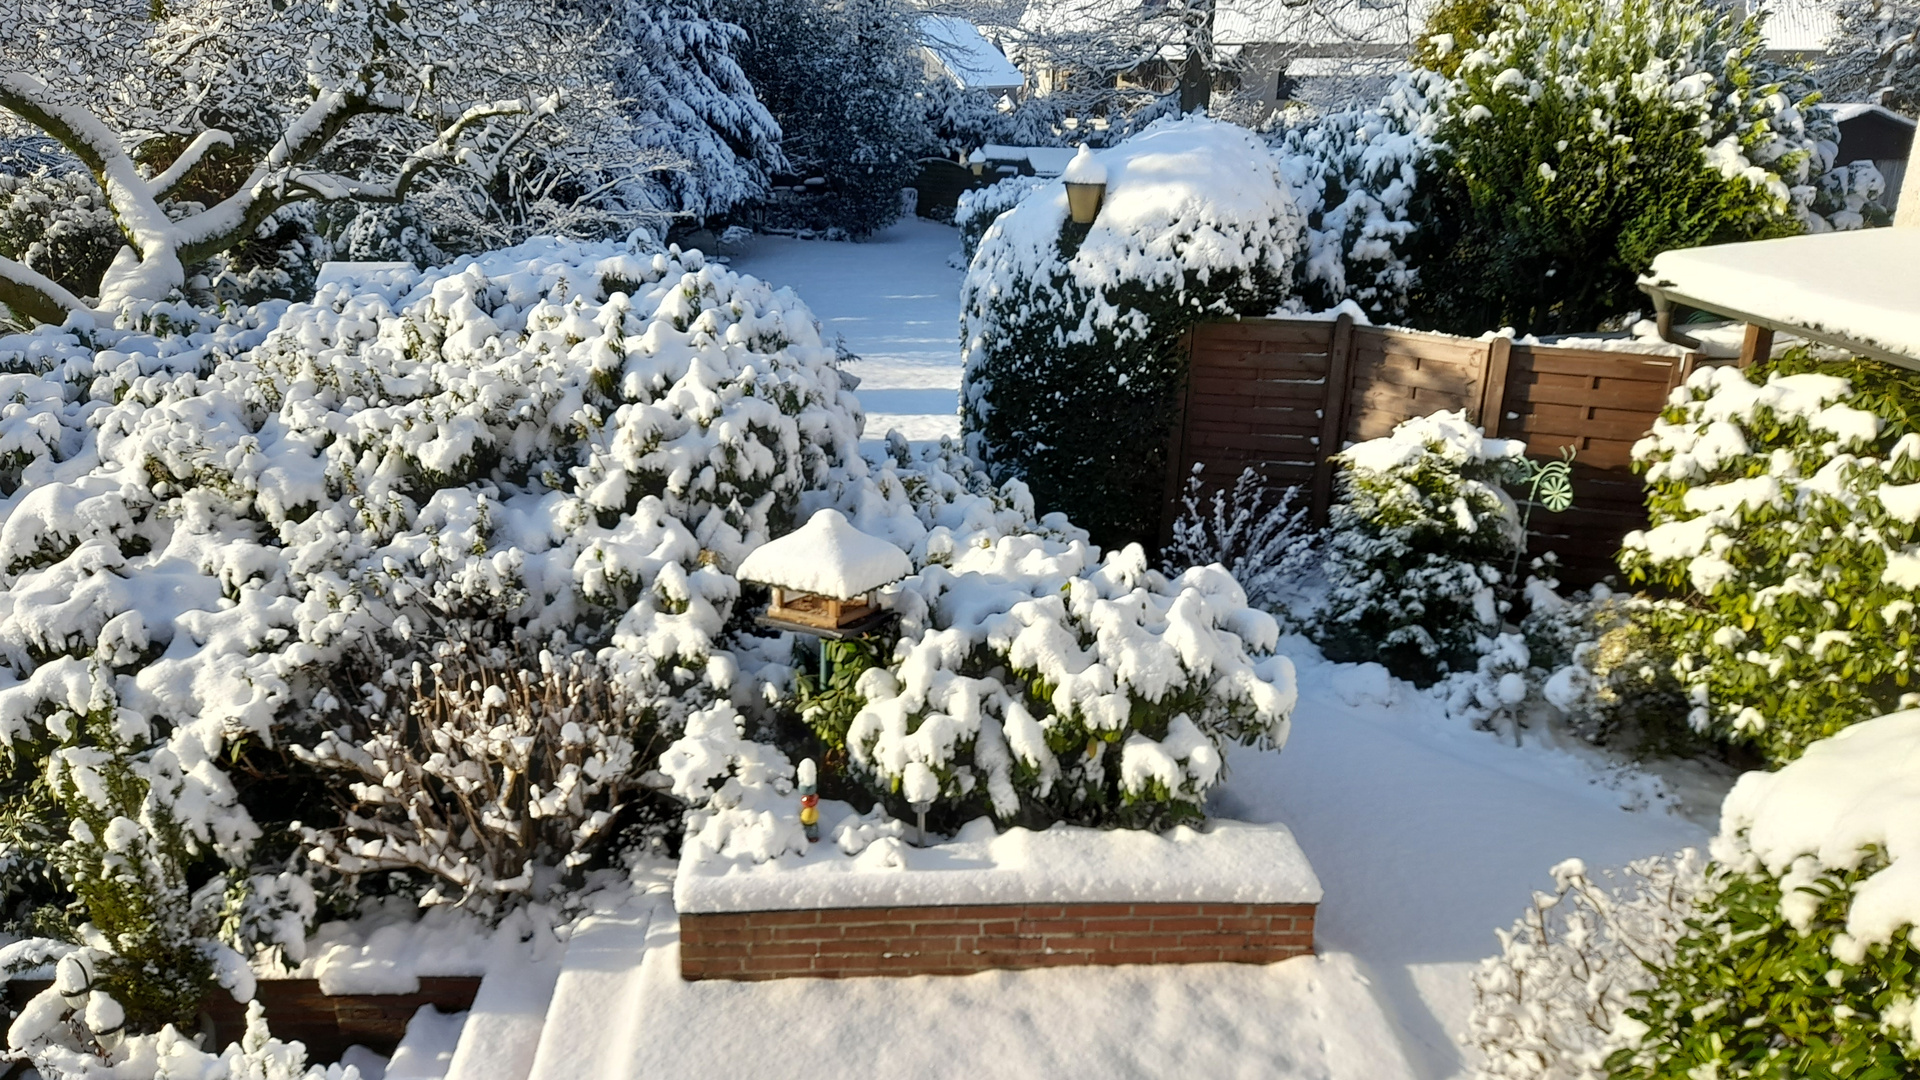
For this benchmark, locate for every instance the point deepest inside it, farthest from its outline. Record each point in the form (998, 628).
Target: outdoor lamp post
(1086, 180)
(978, 162)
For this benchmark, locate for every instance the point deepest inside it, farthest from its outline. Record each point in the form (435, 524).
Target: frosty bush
(499, 777)
(1575, 141)
(1420, 537)
(1782, 510)
(1037, 683)
(1357, 177)
(57, 223)
(981, 207)
(1552, 1005)
(1261, 539)
(1071, 334)
(1609, 666)
(1802, 960)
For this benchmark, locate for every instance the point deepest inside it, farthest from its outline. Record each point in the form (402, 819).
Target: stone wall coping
(866, 863)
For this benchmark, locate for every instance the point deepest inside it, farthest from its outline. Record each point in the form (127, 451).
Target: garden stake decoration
(1550, 485)
(809, 800)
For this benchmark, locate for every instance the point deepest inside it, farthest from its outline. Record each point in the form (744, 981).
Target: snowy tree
(674, 63)
(841, 77)
(200, 121)
(1874, 54)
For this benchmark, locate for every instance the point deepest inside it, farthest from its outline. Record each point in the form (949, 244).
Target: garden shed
(1854, 290)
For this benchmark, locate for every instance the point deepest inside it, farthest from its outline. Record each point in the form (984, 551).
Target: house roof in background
(1796, 26)
(1844, 111)
(966, 54)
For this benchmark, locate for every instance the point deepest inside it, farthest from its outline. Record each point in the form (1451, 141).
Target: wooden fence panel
(1280, 396)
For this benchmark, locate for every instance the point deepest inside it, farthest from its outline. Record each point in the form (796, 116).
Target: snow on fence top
(865, 862)
(1848, 797)
(1856, 289)
(827, 557)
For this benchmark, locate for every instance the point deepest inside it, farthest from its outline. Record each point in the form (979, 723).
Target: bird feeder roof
(826, 557)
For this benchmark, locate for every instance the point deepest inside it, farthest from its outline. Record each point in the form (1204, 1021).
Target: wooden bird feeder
(823, 576)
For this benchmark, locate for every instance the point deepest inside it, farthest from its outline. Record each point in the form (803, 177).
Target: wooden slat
(1333, 414)
(1493, 388)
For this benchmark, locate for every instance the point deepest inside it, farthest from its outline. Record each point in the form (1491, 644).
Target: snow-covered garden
(541, 508)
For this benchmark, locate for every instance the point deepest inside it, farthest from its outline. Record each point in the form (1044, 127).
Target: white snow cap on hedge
(1859, 789)
(1449, 434)
(1190, 194)
(829, 557)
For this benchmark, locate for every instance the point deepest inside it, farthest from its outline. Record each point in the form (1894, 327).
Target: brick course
(840, 942)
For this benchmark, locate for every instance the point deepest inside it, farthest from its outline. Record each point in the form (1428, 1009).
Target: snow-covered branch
(161, 186)
(26, 292)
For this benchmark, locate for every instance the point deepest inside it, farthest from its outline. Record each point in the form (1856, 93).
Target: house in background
(955, 49)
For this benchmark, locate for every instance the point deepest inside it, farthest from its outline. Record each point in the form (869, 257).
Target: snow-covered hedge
(1785, 509)
(1421, 537)
(1802, 959)
(1608, 666)
(979, 207)
(1071, 334)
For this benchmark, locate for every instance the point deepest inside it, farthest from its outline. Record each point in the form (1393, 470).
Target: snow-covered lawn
(895, 301)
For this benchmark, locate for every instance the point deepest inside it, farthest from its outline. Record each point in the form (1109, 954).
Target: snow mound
(869, 864)
(828, 557)
(1849, 798)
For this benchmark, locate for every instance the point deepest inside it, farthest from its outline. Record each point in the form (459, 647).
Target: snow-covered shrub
(1493, 695)
(1850, 197)
(1609, 665)
(1071, 334)
(980, 207)
(1355, 176)
(1783, 512)
(1575, 141)
(57, 222)
(1553, 1004)
(1803, 959)
(218, 538)
(1036, 683)
(496, 776)
(961, 119)
(1419, 541)
(1872, 54)
(1262, 539)
(739, 790)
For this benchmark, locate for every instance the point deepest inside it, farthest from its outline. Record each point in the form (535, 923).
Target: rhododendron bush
(374, 533)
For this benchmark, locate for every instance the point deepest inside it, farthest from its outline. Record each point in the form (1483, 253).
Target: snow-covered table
(865, 902)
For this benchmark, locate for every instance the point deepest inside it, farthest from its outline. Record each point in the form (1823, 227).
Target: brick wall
(839, 942)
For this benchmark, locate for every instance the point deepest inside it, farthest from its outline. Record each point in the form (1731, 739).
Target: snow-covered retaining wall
(864, 902)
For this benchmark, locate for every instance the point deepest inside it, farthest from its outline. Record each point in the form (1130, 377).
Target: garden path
(895, 301)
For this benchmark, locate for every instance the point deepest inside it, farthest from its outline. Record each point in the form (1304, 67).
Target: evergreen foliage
(1783, 513)
(841, 79)
(1874, 54)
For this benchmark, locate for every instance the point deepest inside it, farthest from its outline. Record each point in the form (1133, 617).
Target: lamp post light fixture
(977, 161)
(1086, 180)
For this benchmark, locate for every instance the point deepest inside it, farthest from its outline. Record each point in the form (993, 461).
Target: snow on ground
(895, 301)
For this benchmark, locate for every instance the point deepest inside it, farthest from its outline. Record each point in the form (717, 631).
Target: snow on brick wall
(841, 942)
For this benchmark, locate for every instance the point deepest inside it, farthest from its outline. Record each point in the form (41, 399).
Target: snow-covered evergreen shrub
(1071, 334)
(1356, 176)
(841, 81)
(1263, 540)
(1493, 696)
(980, 207)
(221, 537)
(1575, 141)
(961, 119)
(1851, 197)
(58, 223)
(1552, 1005)
(1609, 665)
(496, 776)
(1783, 510)
(1037, 683)
(1802, 959)
(1420, 538)
(1873, 54)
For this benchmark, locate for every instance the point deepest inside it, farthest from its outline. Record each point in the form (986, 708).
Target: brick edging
(840, 942)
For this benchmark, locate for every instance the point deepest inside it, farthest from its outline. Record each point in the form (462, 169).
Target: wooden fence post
(1177, 443)
(1333, 414)
(1493, 385)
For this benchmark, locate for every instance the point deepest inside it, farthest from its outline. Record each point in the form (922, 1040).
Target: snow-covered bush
(739, 790)
(58, 223)
(495, 777)
(1802, 959)
(1783, 511)
(1608, 665)
(961, 119)
(1036, 683)
(1419, 542)
(1851, 197)
(219, 538)
(1552, 1005)
(1071, 334)
(1263, 540)
(1494, 694)
(1872, 54)
(1575, 141)
(1356, 176)
(980, 207)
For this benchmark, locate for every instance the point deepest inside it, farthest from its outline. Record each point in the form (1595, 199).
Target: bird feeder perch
(823, 576)
(1086, 180)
